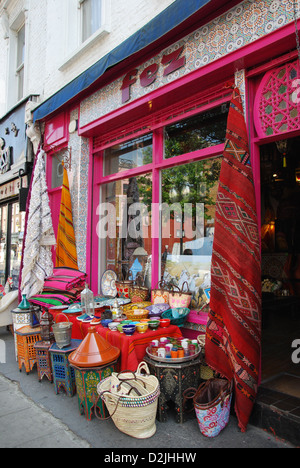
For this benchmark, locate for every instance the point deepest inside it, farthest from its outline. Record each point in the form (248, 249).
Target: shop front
(16, 161)
(145, 153)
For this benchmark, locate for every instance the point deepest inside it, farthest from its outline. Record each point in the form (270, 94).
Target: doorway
(280, 233)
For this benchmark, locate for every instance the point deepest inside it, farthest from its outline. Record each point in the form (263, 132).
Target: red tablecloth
(133, 348)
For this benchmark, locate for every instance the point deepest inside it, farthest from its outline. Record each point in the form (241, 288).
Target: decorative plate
(108, 283)
(158, 308)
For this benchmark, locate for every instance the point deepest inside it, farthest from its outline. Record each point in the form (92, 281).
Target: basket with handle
(180, 298)
(138, 292)
(62, 332)
(212, 402)
(160, 294)
(131, 399)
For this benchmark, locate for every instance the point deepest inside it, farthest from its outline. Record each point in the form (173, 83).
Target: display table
(133, 348)
(174, 379)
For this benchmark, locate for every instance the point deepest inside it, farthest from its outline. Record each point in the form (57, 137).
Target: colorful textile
(233, 334)
(48, 300)
(37, 261)
(65, 279)
(66, 254)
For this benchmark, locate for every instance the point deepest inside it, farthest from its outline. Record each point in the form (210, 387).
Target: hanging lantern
(282, 147)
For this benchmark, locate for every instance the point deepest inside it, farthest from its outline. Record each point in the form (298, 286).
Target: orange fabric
(66, 254)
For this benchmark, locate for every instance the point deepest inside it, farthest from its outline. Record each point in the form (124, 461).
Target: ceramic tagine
(94, 351)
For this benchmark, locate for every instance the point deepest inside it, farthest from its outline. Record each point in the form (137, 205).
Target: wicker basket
(138, 292)
(132, 399)
(132, 315)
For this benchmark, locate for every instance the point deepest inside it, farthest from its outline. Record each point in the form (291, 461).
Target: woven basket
(131, 315)
(180, 298)
(131, 400)
(160, 294)
(138, 292)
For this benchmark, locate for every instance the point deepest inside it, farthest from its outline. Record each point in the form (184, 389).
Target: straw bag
(212, 403)
(138, 292)
(124, 285)
(131, 399)
(180, 298)
(160, 295)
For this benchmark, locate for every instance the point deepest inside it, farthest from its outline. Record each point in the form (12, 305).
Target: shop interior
(280, 215)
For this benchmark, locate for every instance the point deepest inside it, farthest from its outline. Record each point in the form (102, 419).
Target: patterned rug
(233, 335)
(66, 254)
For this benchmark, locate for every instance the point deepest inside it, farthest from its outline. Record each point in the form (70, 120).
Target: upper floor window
(20, 61)
(91, 17)
(87, 22)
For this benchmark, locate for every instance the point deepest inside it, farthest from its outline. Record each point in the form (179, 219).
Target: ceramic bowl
(105, 322)
(154, 324)
(178, 312)
(129, 329)
(142, 327)
(120, 328)
(164, 323)
(113, 326)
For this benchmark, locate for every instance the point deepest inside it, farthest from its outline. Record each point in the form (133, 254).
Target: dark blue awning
(174, 15)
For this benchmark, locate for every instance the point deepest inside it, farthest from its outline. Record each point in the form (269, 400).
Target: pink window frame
(157, 165)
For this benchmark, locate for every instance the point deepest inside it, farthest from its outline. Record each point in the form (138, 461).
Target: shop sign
(5, 157)
(11, 189)
(172, 62)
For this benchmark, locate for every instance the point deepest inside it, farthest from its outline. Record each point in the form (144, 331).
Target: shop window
(197, 132)
(189, 195)
(124, 227)
(129, 155)
(12, 223)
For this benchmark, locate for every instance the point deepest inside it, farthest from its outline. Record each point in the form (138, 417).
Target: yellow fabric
(66, 254)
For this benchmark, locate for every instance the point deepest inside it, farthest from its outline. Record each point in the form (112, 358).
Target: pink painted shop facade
(154, 133)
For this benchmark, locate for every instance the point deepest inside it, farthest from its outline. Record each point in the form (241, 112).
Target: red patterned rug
(233, 335)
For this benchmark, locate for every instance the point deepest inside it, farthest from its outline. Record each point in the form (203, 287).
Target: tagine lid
(94, 351)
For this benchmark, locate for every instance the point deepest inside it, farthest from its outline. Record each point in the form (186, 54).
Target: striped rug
(66, 254)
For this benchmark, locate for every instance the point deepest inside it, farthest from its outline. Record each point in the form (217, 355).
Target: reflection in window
(197, 132)
(124, 227)
(189, 195)
(133, 153)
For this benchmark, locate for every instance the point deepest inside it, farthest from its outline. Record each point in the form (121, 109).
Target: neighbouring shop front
(16, 158)
(144, 155)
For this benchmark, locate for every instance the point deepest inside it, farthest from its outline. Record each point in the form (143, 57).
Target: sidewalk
(32, 415)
